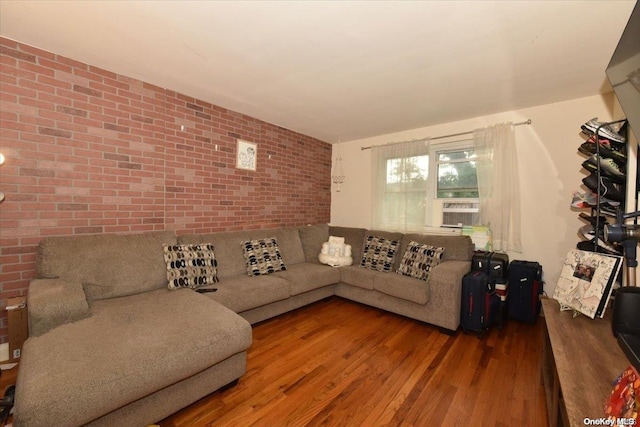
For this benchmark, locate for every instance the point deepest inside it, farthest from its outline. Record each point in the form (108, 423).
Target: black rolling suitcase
(480, 302)
(525, 289)
(495, 264)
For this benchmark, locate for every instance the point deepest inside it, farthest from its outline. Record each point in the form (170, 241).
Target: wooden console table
(580, 360)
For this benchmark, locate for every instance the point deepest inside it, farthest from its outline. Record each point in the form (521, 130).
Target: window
(457, 177)
(416, 186)
(457, 185)
(405, 190)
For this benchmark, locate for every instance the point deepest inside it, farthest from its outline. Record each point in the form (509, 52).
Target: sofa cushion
(262, 256)
(308, 276)
(289, 243)
(229, 252)
(379, 253)
(419, 259)
(312, 238)
(455, 247)
(107, 265)
(190, 266)
(403, 287)
(129, 348)
(355, 275)
(242, 293)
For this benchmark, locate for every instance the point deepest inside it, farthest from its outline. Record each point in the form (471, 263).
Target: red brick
(87, 91)
(49, 63)
(4, 50)
(71, 96)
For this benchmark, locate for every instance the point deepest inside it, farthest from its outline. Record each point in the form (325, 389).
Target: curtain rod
(526, 122)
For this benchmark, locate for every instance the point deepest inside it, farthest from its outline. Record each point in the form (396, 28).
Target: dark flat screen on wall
(623, 71)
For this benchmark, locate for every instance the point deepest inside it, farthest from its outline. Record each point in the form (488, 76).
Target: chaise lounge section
(110, 344)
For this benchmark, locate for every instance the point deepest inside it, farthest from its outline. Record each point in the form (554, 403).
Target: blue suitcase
(496, 265)
(525, 288)
(480, 302)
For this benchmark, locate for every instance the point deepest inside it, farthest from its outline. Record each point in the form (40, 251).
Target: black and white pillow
(263, 256)
(378, 253)
(190, 266)
(419, 259)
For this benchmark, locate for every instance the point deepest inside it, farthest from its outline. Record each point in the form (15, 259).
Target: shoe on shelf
(604, 131)
(588, 232)
(589, 200)
(609, 165)
(605, 169)
(612, 145)
(592, 246)
(604, 188)
(588, 148)
(583, 200)
(593, 220)
(609, 208)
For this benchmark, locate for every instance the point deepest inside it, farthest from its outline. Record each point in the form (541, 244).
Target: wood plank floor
(339, 363)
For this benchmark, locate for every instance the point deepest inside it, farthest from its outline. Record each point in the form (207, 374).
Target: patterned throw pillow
(378, 253)
(263, 256)
(190, 266)
(419, 259)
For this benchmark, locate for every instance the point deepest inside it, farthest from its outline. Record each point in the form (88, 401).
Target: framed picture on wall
(246, 155)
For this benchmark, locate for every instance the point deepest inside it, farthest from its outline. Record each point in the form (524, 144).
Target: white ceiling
(340, 69)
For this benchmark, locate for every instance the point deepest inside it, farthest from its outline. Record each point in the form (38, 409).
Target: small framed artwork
(247, 155)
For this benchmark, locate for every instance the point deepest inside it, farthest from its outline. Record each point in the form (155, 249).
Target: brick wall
(91, 151)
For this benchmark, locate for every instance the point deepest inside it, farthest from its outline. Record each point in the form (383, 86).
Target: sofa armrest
(54, 302)
(445, 289)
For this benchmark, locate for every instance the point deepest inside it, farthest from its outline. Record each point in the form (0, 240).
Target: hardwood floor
(339, 363)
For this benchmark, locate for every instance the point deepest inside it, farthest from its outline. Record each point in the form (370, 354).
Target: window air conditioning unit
(458, 214)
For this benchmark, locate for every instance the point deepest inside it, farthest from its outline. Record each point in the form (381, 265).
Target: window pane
(405, 208)
(410, 169)
(405, 192)
(457, 180)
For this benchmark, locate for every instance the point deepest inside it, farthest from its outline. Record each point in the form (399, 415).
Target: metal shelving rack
(599, 176)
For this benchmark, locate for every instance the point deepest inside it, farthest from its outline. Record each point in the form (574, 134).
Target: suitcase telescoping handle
(487, 268)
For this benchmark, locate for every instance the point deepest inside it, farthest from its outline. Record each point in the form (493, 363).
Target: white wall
(550, 170)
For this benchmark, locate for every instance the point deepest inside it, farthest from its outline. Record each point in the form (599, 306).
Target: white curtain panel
(498, 185)
(399, 185)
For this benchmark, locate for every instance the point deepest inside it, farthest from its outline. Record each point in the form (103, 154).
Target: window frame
(434, 200)
(416, 152)
(433, 215)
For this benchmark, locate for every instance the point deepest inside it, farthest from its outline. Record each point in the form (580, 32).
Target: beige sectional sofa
(110, 344)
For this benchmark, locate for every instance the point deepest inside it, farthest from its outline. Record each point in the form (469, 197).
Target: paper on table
(7, 366)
